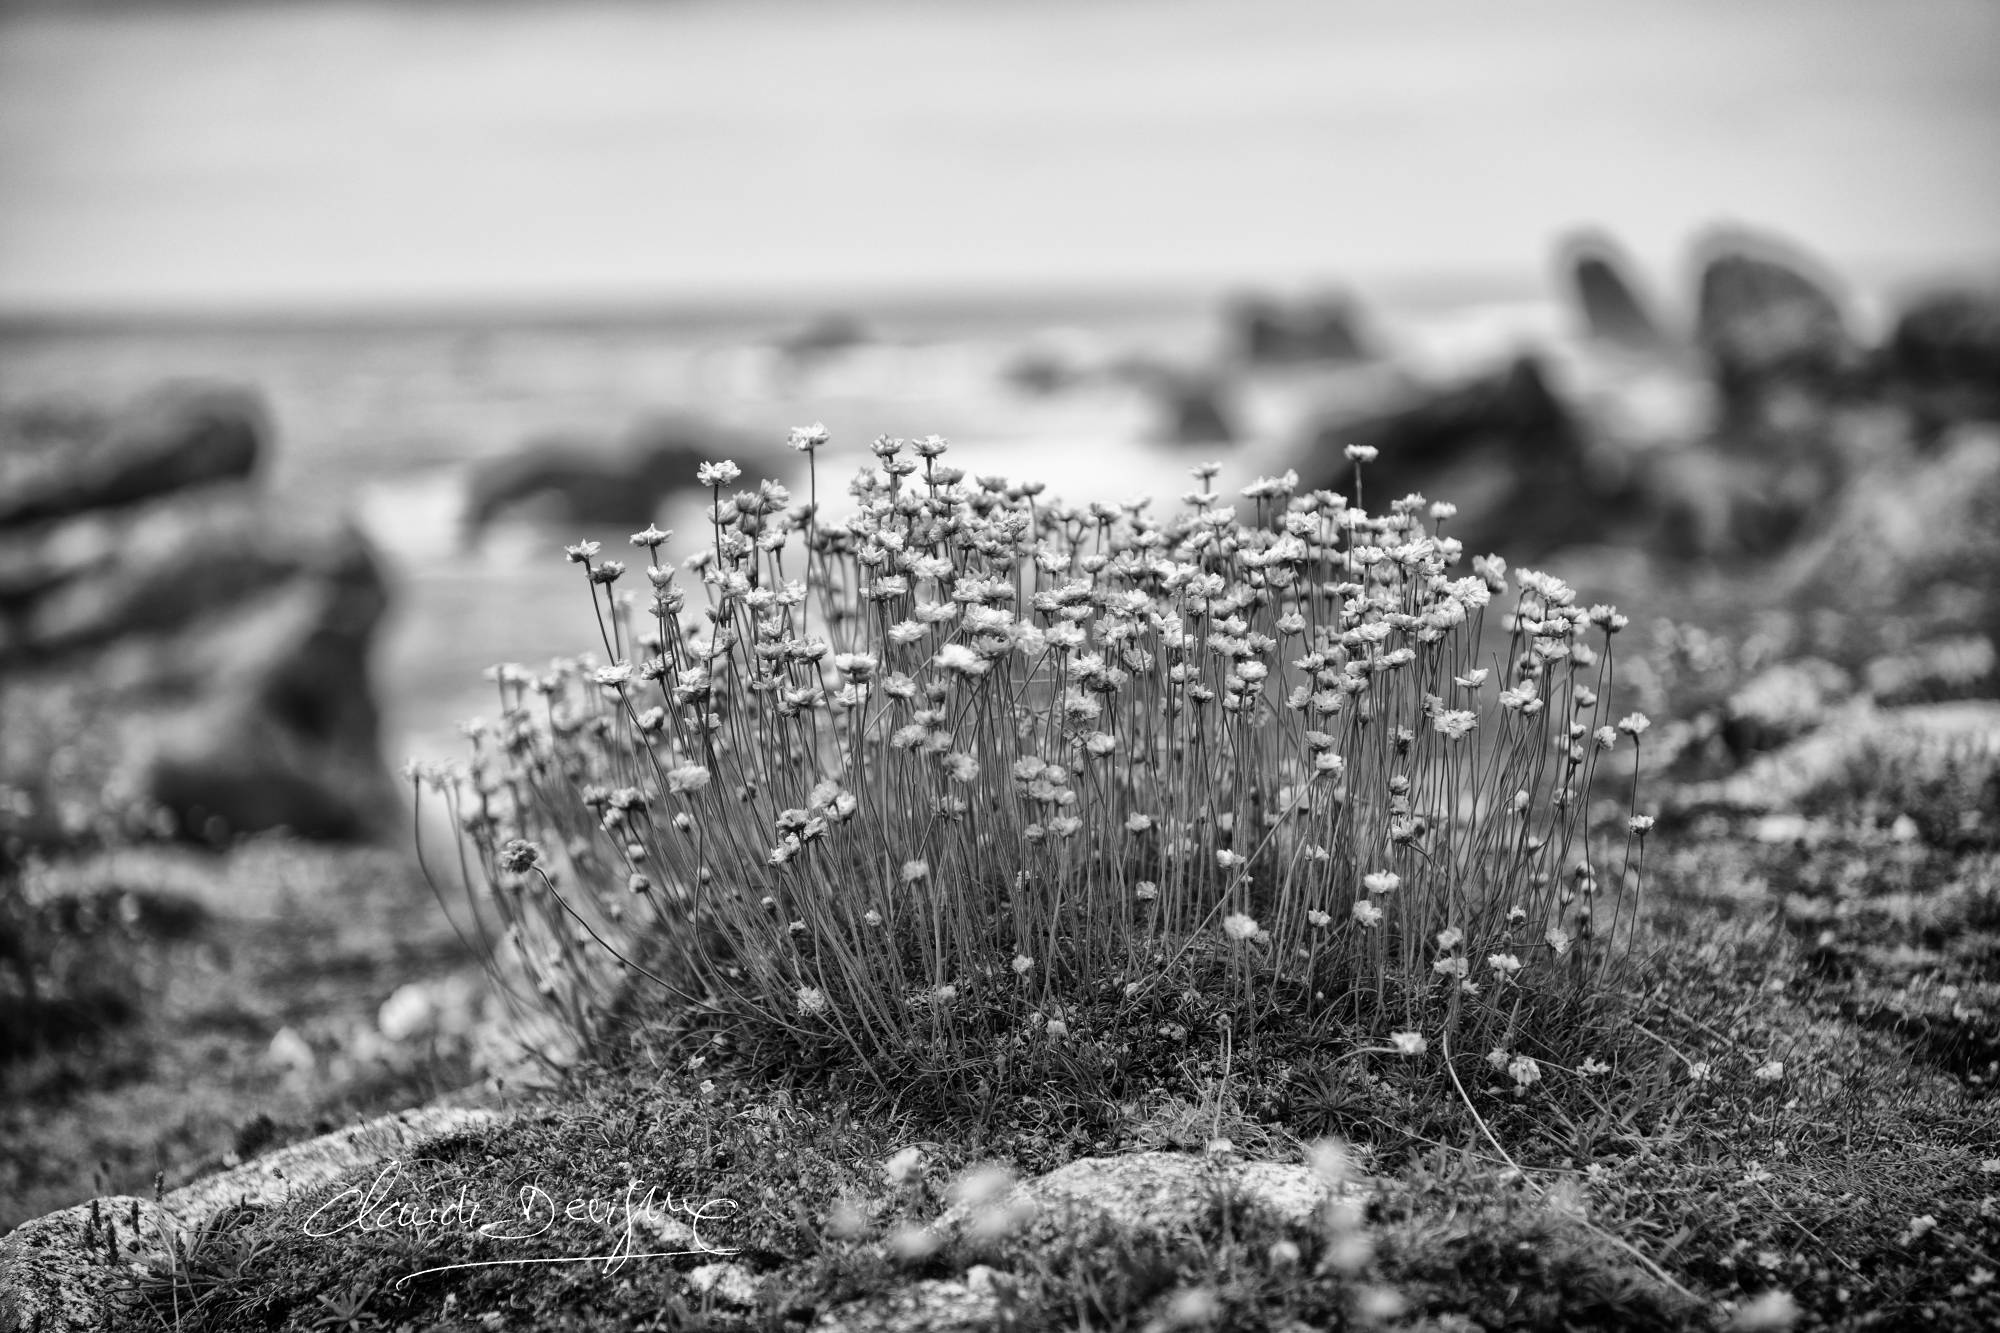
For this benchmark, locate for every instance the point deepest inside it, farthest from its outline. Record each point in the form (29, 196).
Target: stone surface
(1771, 322)
(1943, 359)
(939, 1305)
(1502, 446)
(53, 465)
(57, 1271)
(586, 480)
(1326, 328)
(1597, 274)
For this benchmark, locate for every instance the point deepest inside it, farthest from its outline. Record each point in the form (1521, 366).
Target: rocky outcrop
(57, 464)
(585, 480)
(1596, 273)
(1503, 447)
(1943, 359)
(61, 1272)
(175, 650)
(1773, 326)
(1324, 329)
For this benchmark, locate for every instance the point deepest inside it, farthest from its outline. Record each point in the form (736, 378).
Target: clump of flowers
(971, 742)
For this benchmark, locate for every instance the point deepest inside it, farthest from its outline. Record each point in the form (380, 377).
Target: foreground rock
(63, 1272)
(176, 653)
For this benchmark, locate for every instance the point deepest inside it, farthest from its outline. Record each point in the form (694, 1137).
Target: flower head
(1409, 1043)
(1239, 926)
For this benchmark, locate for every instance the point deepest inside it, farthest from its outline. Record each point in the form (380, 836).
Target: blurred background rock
(324, 325)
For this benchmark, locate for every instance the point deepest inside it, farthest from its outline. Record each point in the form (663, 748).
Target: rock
(57, 1272)
(929, 1306)
(175, 438)
(1503, 447)
(1192, 411)
(1782, 703)
(578, 480)
(1952, 667)
(1943, 360)
(1595, 272)
(823, 336)
(1326, 328)
(1773, 327)
(236, 699)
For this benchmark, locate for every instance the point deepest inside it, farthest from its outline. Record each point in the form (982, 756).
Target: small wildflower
(654, 536)
(1640, 824)
(1146, 891)
(1382, 881)
(1021, 964)
(872, 917)
(1228, 860)
(518, 856)
(1238, 926)
(1503, 964)
(581, 552)
(1317, 919)
(1592, 1067)
(717, 474)
(811, 1001)
(1634, 724)
(1770, 1071)
(916, 870)
(1918, 1228)
(1455, 724)
(1362, 453)
(1450, 937)
(1524, 1071)
(1768, 1312)
(1700, 1072)
(1408, 1043)
(904, 1167)
(1367, 913)
(1138, 823)
(1558, 940)
(806, 439)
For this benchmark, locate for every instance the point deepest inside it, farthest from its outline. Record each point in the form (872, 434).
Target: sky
(317, 154)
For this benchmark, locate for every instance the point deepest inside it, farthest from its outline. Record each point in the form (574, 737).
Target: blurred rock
(175, 438)
(1054, 360)
(1961, 666)
(581, 480)
(1943, 360)
(824, 336)
(1595, 271)
(1503, 447)
(1322, 328)
(184, 658)
(1773, 326)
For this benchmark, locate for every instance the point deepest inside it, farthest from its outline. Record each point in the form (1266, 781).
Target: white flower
(717, 474)
(960, 660)
(688, 777)
(1382, 881)
(1146, 891)
(1632, 724)
(1408, 1043)
(1367, 913)
(1505, 964)
(1021, 964)
(812, 1000)
(1320, 920)
(1699, 1072)
(805, 439)
(1455, 723)
(618, 673)
(1449, 937)
(1640, 824)
(1362, 453)
(905, 1167)
(1770, 1071)
(916, 870)
(1455, 966)
(872, 917)
(1524, 1071)
(1239, 926)
(1471, 680)
(1138, 823)
(1558, 940)
(1498, 1057)
(1592, 1067)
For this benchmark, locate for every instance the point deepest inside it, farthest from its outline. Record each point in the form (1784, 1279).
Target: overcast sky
(316, 153)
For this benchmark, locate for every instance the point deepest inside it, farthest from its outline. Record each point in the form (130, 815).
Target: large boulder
(1597, 274)
(1773, 325)
(176, 652)
(1504, 447)
(53, 465)
(1943, 359)
(1326, 328)
(577, 479)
